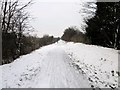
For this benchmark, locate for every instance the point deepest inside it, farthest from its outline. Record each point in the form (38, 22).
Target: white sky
(54, 16)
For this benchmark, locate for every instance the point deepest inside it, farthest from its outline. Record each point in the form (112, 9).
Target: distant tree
(73, 34)
(104, 28)
(46, 39)
(68, 33)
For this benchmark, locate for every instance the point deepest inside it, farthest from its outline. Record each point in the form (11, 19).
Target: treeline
(14, 22)
(103, 26)
(75, 35)
(11, 50)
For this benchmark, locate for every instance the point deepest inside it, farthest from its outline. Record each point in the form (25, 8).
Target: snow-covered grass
(63, 65)
(98, 63)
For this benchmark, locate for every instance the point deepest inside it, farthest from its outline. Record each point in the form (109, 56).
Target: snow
(99, 64)
(63, 65)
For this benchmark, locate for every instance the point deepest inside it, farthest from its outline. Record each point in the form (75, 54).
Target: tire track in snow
(57, 73)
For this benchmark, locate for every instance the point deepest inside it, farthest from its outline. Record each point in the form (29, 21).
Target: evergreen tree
(104, 28)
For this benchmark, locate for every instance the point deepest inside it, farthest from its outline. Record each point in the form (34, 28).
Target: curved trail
(53, 70)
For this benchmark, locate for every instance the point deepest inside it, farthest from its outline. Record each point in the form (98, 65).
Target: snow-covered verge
(63, 65)
(99, 64)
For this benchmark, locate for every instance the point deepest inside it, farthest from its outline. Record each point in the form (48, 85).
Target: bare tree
(14, 20)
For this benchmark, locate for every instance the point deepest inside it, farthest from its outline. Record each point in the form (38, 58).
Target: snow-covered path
(57, 73)
(50, 69)
(63, 65)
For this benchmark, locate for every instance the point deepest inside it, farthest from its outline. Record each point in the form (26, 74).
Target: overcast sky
(54, 16)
